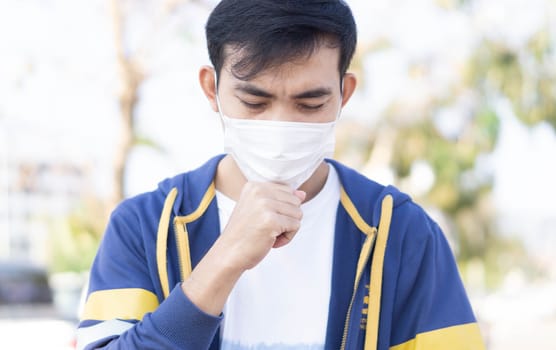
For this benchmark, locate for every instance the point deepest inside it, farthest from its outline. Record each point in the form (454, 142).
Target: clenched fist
(266, 215)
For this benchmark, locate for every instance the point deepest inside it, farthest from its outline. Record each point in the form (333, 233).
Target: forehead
(320, 66)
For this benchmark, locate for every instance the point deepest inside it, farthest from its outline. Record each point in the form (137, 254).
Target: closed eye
(253, 105)
(310, 107)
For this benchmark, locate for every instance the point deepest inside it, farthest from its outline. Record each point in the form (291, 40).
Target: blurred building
(33, 193)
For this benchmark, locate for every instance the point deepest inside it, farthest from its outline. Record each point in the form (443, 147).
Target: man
(271, 246)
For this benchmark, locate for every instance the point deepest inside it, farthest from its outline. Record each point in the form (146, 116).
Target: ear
(208, 85)
(350, 82)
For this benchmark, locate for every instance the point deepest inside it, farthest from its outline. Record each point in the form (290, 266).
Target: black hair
(271, 32)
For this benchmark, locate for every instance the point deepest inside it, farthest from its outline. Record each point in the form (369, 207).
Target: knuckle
(264, 203)
(267, 218)
(294, 225)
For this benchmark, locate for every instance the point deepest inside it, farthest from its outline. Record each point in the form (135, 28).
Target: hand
(266, 215)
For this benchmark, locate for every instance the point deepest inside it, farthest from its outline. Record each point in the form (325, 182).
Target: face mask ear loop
(341, 100)
(218, 101)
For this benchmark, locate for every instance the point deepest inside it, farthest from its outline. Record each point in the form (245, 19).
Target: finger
(279, 192)
(287, 195)
(288, 235)
(282, 240)
(301, 195)
(283, 192)
(286, 209)
(287, 225)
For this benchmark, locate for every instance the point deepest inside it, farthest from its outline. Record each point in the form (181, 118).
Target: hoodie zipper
(348, 316)
(179, 239)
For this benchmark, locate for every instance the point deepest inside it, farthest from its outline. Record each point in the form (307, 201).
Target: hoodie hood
(367, 197)
(197, 183)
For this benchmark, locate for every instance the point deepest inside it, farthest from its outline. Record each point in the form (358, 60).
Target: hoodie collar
(198, 183)
(365, 195)
(362, 197)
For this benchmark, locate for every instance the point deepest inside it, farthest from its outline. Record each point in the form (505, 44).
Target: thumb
(300, 194)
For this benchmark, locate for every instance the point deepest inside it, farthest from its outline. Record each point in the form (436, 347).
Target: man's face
(305, 90)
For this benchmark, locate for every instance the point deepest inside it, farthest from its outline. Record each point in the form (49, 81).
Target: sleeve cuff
(184, 323)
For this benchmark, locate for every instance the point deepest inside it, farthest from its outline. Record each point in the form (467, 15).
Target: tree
(453, 131)
(132, 71)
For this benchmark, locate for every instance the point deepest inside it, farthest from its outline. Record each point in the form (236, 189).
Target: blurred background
(456, 105)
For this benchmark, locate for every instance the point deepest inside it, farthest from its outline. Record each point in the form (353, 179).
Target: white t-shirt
(282, 303)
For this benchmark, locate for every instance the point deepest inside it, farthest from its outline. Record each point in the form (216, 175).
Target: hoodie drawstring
(162, 241)
(377, 269)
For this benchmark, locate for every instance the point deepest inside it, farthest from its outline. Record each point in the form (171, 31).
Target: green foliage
(74, 239)
(496, 254)
(451, 160)
(525, 75)
(142, 140)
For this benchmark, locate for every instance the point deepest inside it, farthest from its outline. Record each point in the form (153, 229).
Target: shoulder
(146, 208)
(411, 226)
(367, 195)
(415, 235)
(139, 207)
(137, 217)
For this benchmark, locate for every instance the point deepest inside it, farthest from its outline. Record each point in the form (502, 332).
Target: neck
(316, 182)
(230, 181)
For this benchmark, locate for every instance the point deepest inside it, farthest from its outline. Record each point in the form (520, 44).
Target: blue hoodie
(395, 284)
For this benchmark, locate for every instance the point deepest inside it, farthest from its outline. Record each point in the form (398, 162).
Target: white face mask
(277, 151)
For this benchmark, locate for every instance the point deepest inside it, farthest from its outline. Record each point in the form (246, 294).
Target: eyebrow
(315, 93)
(255, 91)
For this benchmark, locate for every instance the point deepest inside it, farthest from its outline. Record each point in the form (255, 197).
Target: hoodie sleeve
(430, 308)
(123, 311)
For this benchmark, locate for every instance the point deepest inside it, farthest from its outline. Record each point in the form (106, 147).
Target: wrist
(212, 280)
(229, 257)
